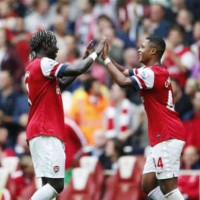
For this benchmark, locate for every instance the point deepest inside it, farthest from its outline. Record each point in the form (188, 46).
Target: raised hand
(89, 49)
(104, 53)
(100, 47)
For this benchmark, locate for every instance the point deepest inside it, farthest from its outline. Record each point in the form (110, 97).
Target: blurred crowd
(102, 119)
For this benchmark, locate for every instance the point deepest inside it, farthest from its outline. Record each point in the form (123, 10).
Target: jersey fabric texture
(156, 93)
(46, 116)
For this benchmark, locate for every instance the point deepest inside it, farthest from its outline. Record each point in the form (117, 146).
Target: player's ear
(153, 51)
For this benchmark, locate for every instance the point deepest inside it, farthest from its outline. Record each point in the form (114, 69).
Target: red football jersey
(46, 116)
(156, 93)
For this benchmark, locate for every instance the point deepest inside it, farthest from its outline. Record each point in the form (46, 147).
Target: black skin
(69, 75)
(73, 70)
(148, 56)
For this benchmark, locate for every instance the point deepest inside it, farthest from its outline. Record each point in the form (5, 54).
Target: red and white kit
(46, 117)
(164, 124)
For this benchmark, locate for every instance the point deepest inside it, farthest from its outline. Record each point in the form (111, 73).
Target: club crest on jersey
(56, 169)
(144, 74)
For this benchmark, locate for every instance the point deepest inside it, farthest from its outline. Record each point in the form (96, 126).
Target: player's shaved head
(158, 43)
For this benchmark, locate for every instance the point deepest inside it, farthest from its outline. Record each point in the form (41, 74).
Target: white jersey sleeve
(143, 78)
(51, 68)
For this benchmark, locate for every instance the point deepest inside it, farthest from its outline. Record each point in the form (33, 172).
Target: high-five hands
(104, 53)
(101, 45)
(97, 51)
(89, 49)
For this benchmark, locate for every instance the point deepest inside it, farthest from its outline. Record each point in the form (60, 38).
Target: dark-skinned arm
(118, 76)
(120, 68)
(67, 80)
(82, 66)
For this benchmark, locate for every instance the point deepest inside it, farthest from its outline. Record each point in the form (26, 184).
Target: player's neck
(153, 63)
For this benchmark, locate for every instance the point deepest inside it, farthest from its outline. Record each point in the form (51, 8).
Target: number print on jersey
(170, 104)
(160, 163)
(26, 84)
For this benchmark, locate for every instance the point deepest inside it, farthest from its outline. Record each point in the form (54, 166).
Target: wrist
(107, 60)
(93, 56)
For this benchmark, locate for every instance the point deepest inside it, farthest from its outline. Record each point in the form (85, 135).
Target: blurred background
(105, 125)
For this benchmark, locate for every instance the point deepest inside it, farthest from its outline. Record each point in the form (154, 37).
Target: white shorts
(48, 156)
(164, 159)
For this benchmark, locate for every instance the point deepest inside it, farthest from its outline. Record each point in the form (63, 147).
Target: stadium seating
(125, 184)
(86, 182)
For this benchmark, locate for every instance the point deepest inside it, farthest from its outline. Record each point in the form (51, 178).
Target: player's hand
(104, 53)
(89, 49)
(100, 47)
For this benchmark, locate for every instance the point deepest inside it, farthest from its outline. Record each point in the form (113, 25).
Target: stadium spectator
(130, 14)
(4, 150)
(21, 110)
(63, 9)
(85, 23)
(20, 39)
(195, 73)
(41, 16)
(184, 19)
(121, 116)
(21, 147)
(72, 51)
(192, 125)
(182, 101)
(88, 109)
(117, 44)
(178, 58)
(194, 7)
(191, 86)
(104, 22)
(69, 51)
(159, 25)
(60, 32)
(102, 7)
(113, 150)
(189, 184)
(176, 6)
(131, 60)
(190, 158)
(7, 15)
(8, 98)
(9, 59)
(98, 149)
(22, 178)
(154, 84)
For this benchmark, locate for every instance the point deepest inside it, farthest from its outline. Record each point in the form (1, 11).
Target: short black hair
(158, 43)
(88, 83)
(107, 18)
(178, 28)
